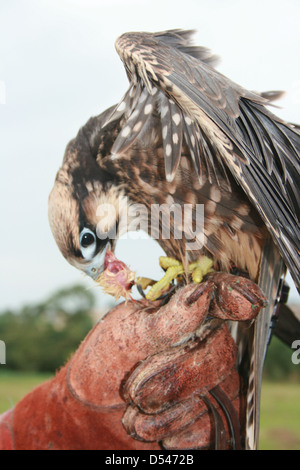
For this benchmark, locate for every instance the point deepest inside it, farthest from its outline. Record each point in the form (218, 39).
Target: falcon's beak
(96, 266)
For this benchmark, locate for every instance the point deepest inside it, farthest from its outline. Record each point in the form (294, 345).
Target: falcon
(184, 134)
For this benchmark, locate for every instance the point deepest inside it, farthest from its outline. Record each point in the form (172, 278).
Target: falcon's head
(86, 208)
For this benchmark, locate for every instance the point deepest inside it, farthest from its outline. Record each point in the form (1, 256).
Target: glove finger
(175, 322)
(166, 378)
(202, 433)
(236, 298)
(155, 427)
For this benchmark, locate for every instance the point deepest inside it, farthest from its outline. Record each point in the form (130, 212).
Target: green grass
(280, 416)
(280, 407)
(15, 385)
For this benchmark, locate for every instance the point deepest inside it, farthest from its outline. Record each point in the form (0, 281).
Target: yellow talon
(166, 262)
(200, 268)
(158, 288)
(174, 268)
(197, 275)
(145, 282)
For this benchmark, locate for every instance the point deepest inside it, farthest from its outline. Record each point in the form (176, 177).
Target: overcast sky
(58, 67)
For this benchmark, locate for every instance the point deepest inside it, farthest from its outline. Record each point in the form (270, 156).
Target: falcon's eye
(87, 239)
(88, 243)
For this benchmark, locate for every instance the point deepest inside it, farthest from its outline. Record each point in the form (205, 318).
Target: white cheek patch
(93, 268)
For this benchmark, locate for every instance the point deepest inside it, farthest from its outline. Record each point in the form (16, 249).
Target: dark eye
(87, 239)
(88, 243)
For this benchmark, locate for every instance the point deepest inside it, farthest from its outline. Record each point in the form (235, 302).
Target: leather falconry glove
(146, 377)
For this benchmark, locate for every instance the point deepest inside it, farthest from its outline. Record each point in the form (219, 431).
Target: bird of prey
(185, 134)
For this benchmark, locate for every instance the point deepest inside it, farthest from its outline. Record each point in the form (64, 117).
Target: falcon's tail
(272, 271)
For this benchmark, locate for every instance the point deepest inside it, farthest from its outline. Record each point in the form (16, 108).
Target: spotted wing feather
(139, 115)
(171, 121)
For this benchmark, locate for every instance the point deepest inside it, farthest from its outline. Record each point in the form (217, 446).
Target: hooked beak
(96, 266)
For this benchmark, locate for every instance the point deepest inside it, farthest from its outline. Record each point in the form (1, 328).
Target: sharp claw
(166, 297)
(220, 434)
(140, 290)
(142, 283)
(231, 415)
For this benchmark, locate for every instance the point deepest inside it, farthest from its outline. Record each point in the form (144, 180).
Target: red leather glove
(143, 373)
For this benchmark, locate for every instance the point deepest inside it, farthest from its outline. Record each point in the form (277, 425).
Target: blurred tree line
(43, 336)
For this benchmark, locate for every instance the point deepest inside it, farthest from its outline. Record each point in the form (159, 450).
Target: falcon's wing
(227, 128)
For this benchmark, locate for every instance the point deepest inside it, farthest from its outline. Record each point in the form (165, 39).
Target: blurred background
(58, 67)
